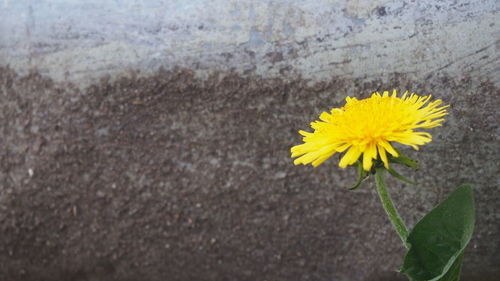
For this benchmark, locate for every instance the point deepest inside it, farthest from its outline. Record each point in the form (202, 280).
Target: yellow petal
(370, 127)
(388, 147)
(383, 155)
(369, 154)
(350, 157)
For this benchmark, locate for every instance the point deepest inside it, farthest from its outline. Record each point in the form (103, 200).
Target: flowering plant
(366, 131)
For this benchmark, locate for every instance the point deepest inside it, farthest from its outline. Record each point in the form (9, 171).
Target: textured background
(149, 140)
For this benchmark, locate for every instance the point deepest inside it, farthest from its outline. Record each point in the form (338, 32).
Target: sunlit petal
(369, 127)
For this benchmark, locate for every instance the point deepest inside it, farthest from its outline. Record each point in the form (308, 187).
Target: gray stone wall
(149, 140)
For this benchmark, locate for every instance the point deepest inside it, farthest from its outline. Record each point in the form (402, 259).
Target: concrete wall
(81, 40)
(149, 140)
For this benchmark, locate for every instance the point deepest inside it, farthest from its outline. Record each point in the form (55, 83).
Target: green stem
(389, 208)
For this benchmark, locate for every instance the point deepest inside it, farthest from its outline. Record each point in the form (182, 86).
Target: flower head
(368, 127)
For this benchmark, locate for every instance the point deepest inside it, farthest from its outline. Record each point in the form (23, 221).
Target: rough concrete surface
(170, 178)
(149, 140)
(83, 41)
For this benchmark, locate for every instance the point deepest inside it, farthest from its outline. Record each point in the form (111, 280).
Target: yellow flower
(368, 127)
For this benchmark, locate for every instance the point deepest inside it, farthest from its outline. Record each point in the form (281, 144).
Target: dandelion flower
(368, 127)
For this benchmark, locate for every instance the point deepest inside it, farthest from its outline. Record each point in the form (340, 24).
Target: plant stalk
(389, 208)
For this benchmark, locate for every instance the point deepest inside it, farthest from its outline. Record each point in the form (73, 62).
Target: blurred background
(149, 139)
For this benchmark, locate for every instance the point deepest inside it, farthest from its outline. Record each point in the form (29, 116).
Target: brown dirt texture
(168, 177)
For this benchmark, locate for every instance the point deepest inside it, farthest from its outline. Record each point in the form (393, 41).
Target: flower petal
(369, 127)
(383, 155)
(351, 156)
(368, 156)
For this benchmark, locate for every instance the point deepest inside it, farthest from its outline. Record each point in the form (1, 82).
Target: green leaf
(454, 273)
(438, 240)
(400, 177)
(402, 159)
(362, 176)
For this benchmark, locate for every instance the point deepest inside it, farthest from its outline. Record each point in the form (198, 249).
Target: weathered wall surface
(82, 40)
(149, 140)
